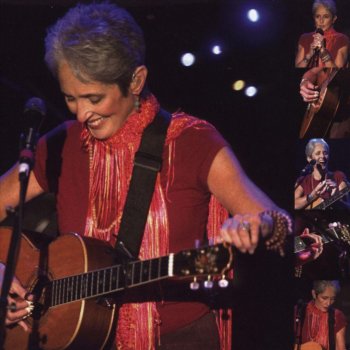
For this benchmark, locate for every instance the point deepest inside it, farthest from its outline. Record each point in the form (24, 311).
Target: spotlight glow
(251, 91)
(253, 15)
(216, 50)
(188, 59)
(238, 85)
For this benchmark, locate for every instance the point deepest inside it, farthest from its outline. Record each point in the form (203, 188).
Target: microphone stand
(28, 156)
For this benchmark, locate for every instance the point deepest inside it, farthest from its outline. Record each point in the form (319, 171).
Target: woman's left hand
(243, 231)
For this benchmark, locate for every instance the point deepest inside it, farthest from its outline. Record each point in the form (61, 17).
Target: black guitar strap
(331, 322)
(147, 164)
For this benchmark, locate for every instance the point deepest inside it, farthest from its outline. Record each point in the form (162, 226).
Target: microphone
(316, 55)
(308, 168)
(319, 31)
(33, 116)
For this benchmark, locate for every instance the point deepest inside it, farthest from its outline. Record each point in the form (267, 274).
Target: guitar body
(309, 346)
(81, 324)
(315, 203)
(319, 115)
(74, 277)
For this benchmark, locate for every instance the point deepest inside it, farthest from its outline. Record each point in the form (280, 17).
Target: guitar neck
(329, 201)
(208, 260)
(300, 244)
(110, 280)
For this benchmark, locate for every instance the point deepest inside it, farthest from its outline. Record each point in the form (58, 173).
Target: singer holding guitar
(319, 184)
(326, 91)
(96, 51)
(325, 47)
(319, 326)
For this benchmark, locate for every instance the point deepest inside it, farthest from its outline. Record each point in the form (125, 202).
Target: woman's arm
(340, 340)
(342, 57)
(302, 59)
(242, 198)
(302, 200)
(9, 190)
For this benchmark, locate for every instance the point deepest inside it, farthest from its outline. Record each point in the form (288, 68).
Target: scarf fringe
(111, 163)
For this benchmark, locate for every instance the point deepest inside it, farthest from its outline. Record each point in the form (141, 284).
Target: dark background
(259, 129)
(262, 130)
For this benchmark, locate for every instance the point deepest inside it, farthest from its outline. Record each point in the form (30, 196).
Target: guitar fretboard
(300, 244)
(329, 201)
(110, 280)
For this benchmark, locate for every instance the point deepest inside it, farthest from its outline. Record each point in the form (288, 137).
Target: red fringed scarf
(111, 163)
(317, 325)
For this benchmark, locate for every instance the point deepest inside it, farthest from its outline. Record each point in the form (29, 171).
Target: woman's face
(323, 18)
(325, 299)
(101, 107)
(320, 154)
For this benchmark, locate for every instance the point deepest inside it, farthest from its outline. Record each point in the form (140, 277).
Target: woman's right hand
(20, 303)
(318, 41)
(313, 251)
(308, 91)
(322, 187)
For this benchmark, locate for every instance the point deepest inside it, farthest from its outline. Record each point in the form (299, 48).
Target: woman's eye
(95, 100)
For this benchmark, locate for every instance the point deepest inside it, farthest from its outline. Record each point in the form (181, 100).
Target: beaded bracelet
(282, 227)
(298, 270)
(309, 198)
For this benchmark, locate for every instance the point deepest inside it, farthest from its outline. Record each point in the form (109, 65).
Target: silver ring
(245, 225)
(26, 316)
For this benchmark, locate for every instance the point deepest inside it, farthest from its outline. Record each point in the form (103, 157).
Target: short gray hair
(310, 146)
(99, 41)
(328, 4)
(320, 286)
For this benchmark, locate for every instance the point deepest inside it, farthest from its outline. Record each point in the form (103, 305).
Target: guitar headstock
(340, 231)
(207, 261)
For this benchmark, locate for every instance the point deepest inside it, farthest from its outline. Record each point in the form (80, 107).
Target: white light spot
(188, 59)
(216, 50)
(251, 91)
(253, 15)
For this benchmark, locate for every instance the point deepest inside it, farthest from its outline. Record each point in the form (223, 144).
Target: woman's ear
(313, 293)
(138, 80)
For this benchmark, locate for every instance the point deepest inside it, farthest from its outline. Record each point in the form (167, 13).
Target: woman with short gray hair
(325, 47)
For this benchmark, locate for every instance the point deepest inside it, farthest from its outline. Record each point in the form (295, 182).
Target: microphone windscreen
(35, 104)
(34, 113)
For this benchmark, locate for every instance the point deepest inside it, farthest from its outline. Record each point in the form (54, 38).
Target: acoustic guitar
(322, 204)
(320, 114)
(311, 345)
(73, 279)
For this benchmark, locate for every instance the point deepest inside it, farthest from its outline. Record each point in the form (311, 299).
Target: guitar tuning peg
(194, 285)
(208, 283)
(223, 283)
